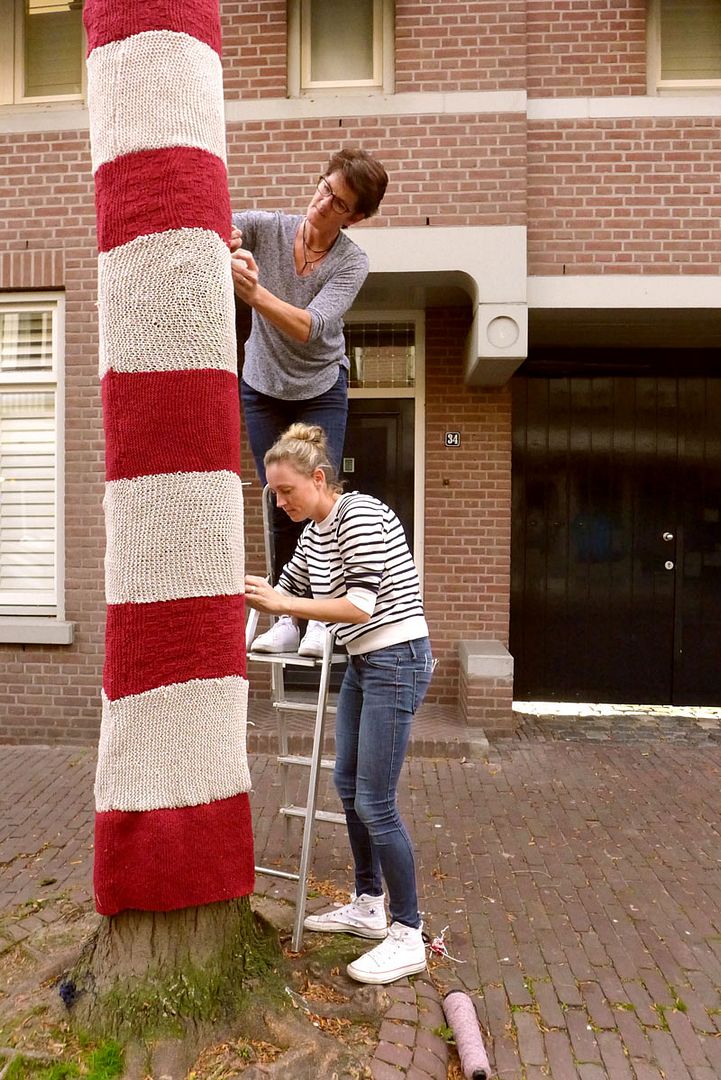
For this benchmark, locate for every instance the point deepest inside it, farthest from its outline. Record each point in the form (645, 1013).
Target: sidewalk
(579, 876)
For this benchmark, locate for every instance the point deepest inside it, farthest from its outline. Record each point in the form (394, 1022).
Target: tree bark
(145, 975)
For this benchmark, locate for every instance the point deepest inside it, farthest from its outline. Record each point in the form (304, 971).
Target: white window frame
(383, 80)
(417, 392)
(12, 60)
(655, 84)
(50, 380)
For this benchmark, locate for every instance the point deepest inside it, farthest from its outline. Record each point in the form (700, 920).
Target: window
(30, 454)
(381, 354)
(340, 45)
(41, 50)
(684, 45)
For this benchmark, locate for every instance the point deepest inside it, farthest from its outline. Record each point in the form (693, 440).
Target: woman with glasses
(300, 274)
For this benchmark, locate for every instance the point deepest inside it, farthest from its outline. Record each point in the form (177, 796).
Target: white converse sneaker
(365, 916)
(402, 953)
(283, 636)
(313, 640)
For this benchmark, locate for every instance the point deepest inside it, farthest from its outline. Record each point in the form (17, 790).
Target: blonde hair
(305, 448)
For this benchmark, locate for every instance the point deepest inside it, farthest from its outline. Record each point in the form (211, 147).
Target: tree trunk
(162, 982)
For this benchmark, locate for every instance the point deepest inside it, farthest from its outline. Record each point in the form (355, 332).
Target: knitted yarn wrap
(172, 825)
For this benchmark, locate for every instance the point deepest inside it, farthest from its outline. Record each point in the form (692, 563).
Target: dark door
(616, 551)
(378, 454)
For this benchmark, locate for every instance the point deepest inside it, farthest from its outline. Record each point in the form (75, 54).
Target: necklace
(320, 252)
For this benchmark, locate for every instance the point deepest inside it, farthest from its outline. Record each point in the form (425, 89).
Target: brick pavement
(580, 880)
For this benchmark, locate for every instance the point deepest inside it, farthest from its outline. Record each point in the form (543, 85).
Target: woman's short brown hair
(364, 174)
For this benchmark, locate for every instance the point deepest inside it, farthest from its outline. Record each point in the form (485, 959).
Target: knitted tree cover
(172, 825)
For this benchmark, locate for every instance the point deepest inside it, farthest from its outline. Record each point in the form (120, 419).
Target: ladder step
(302, 706)
(299, 759)
(320, 815)
(294, 660)
(291, 659)
(277, 873)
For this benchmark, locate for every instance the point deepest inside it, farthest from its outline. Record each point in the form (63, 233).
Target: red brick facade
(635, 194)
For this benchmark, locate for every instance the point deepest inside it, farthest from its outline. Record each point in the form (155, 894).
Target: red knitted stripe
(160, 860)
(111, 20)
(170, 421)
(151, 191)
(172, 641)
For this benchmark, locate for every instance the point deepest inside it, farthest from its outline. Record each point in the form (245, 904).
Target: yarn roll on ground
(463, 1021)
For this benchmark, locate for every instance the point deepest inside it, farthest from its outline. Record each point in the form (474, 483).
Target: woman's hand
(236, 238)
(263, 597)
(245, 274)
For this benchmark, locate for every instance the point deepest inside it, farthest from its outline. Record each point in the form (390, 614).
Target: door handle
(668, 565)
(667, 536)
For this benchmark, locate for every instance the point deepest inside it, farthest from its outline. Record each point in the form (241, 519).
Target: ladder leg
(309, 824)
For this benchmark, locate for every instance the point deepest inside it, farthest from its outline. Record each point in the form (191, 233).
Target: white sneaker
(365, 916)
(282, 637)
(402, 953)
(313, 640)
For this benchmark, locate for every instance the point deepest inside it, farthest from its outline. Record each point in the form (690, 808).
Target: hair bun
(310, 433)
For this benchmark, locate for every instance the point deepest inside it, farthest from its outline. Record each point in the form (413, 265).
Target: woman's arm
(263, 597)
(293, 321)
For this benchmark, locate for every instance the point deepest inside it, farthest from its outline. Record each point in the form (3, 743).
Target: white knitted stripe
(178, 745)
(167, 303)
(152, 90)
(172, 536)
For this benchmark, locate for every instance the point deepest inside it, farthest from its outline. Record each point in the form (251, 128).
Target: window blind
(340, 39)
(53, 34)
(28, 458)
(690, 39)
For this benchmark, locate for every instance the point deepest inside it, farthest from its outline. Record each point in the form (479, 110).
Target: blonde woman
(354, 559)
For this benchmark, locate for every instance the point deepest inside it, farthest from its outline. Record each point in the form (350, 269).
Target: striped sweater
(360, 551)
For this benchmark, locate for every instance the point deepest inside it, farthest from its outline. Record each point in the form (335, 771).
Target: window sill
(28, 630)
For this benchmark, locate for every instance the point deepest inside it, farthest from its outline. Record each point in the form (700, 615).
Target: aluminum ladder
(320, 709)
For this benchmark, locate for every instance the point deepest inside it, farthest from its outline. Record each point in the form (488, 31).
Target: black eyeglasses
(337, 205)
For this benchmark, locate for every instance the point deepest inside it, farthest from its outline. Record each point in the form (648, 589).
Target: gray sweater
(275, 364)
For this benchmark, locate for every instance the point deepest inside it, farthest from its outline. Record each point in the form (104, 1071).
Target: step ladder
(283, 705)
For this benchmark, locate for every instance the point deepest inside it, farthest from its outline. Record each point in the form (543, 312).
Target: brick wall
(254, 48)
(468, 503)
(586, 47)
(444, 170)
(460, 46)
(625, 196)
(48, 242)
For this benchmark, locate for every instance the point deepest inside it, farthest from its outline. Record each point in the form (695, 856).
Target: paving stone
(686, 1039)
(666, 1054)
(426, 1040)
(530, 1040)
(597, 1005)
(394, 1032)
(429, 1064)
(381, 1070)
(560, 1055)
(400, 1056)
(612, 1053)
(585, 1047)
(402, 1011)
(551, 1013)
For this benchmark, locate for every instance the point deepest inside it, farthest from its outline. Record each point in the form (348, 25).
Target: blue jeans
(381, 691)
(266, 418)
